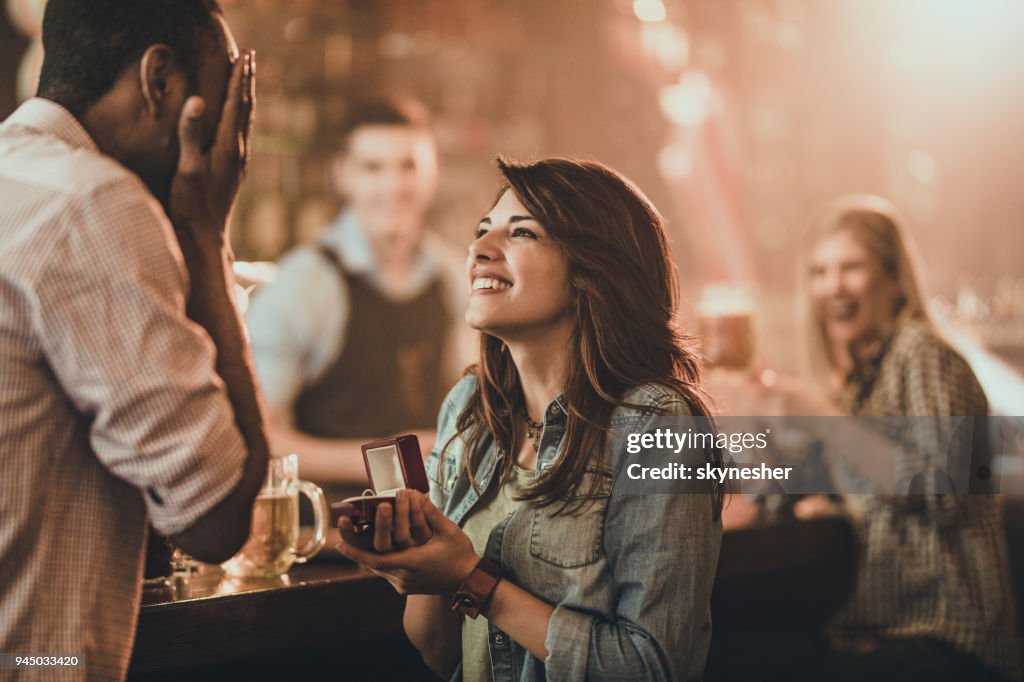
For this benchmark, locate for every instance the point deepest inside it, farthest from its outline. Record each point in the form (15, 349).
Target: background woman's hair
(877, 226)
(624, 303)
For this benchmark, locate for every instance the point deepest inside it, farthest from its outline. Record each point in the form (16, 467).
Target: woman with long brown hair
(574, 291)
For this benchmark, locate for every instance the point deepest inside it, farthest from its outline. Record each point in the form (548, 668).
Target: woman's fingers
(349, 534)
(418, 521)
(382, 528)
(402, 537)
(362, 557)
(351, 546)
(345, 529)
(437, 521)
(398, 525)
(350, 537)
(374, 561)
(409, 522)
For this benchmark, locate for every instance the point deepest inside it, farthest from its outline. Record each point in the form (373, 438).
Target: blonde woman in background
(932, 598)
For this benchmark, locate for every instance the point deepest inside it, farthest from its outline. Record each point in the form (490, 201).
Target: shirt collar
(556, 411)
(347, 238)
(50, 118)
(857, 387)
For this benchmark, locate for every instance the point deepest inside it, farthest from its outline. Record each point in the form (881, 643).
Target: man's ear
(157, 69)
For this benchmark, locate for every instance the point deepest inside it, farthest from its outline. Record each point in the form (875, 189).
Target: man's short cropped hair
(89, 43)
(382, 111)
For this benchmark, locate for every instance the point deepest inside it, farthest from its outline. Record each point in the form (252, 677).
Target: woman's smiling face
(517, 276)
(853, 295)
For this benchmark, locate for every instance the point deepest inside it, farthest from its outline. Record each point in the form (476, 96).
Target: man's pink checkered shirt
(110, 408)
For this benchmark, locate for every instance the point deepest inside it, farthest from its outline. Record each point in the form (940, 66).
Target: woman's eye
(479, 232)
(523, 232)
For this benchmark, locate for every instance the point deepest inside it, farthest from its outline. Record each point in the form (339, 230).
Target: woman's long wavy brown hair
(624, 300)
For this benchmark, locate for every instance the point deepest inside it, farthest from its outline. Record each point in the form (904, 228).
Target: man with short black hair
(125, 388)
(355, 339)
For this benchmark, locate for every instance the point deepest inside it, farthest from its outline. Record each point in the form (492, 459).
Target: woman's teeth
(489, 283)
(841, 310)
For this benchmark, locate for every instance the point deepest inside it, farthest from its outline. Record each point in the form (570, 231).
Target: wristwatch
(474, 593)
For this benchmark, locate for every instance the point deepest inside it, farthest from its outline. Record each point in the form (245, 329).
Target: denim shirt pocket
(573, 539)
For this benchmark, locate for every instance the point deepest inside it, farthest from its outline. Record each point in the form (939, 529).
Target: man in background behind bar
(354, 340)
(124, 382)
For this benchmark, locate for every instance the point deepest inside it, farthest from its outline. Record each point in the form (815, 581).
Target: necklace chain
(533, 430)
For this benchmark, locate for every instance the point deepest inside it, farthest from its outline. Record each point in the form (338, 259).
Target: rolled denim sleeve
(662, 550)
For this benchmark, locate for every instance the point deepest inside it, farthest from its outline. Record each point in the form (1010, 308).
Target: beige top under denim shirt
(496, 503)
(630, 578)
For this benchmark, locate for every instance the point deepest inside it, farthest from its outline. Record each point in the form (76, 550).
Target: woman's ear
(158, 71)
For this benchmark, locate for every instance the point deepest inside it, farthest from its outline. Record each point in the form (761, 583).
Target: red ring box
(391, 465)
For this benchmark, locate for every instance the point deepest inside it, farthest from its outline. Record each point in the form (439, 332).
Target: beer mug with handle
(272, 547)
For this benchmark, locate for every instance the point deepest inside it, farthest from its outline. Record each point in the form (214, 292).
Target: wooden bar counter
(330, 615)
(324, 616)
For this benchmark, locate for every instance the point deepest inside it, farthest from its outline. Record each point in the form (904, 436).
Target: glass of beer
(272, 547)
(725, 321)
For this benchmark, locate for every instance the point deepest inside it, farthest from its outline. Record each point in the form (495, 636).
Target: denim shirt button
(499, 639)
(553, 410)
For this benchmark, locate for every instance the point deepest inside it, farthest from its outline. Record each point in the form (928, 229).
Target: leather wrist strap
(476, 591)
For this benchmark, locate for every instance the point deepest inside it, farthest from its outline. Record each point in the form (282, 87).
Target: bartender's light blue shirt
(297, 324)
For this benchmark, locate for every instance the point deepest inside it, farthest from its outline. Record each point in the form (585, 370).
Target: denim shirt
(630, 578)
